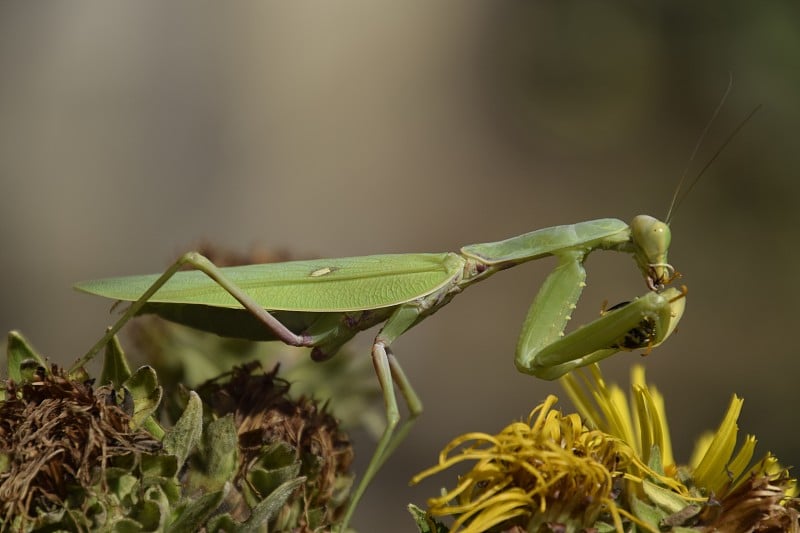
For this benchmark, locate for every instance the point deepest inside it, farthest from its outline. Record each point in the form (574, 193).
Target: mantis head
(651, 238)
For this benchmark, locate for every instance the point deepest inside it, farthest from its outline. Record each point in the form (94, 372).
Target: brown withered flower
(57, 437)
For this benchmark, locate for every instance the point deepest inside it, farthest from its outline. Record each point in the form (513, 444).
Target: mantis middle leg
(388, 371)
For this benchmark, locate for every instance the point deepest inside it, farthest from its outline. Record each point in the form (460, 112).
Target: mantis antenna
(680, 195)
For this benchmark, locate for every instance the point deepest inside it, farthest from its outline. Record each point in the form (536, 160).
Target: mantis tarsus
(323, 303)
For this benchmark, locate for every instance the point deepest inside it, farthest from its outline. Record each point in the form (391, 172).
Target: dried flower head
(57, 437)
(263, 415)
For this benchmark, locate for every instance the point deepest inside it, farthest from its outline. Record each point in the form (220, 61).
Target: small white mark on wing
(322, 272)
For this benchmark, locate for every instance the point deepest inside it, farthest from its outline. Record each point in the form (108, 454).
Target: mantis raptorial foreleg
(544, 351)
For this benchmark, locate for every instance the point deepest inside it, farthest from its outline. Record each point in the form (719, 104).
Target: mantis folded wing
(323, 303)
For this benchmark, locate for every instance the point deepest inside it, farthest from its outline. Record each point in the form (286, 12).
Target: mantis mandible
(323, 303)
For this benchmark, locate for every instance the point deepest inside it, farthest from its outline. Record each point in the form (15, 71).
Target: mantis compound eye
(651, 238)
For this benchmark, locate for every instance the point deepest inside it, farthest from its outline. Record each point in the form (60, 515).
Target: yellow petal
(711, 472)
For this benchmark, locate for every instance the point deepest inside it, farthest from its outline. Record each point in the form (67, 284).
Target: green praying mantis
(323, 303)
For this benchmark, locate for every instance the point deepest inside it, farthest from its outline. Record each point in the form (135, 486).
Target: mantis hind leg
(201, 263)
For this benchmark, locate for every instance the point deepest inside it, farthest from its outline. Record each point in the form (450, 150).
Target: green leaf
(21, 357)
(646, 513)
(126, 525)
(655, 463)
(151, 426)
(146, 394)
(191, 517)
(266, 481)
(684, 516)
(603, 527)
(152, 465)
(221, 447)
(665, 499)
(316, 517)
(152, 510)
(424, 522)
(122, 485)
(277, 455)
(222, 524)
(115, 365)
(264, 511)
(186, 433)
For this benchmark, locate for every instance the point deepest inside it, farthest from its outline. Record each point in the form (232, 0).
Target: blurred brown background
(129, 131)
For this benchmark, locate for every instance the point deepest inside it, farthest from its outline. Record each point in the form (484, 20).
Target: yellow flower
(613, 468)
(550, 470)
(715, 473)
